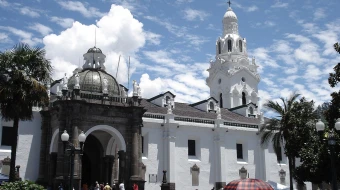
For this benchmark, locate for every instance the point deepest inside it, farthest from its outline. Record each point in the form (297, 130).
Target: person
(114, 187)
(135, 186)
(60, 187)
(121, 186)
(85, 187)
(107, 187)
(102, 186)
(97, 186)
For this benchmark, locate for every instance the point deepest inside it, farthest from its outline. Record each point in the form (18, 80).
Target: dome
(230, 14)
(94, 50)
(91, 82)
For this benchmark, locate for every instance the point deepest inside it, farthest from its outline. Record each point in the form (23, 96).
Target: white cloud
(118, 33)
(64, 22)
(184, 1)
(251, 8)
(279, 4)
(24, 36)
(4, 3)
(153, 38)
(42, 29)
(312, 73)
(192, 14)
(4, 37)
(86, 11)
(180, 32)
(245, 8)
(29, 12)
(319, 14)
(269, 23)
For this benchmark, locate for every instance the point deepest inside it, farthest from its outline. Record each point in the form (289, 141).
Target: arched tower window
(221, 101)
(230, 45)
(240, 45)
(211, 106)
(167, 100)
(251, 110)
(244, 102)
(219, 48)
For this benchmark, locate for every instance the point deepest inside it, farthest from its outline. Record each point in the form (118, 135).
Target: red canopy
(248, 184)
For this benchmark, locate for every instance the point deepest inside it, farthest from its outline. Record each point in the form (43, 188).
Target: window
(221, 101)
(240, 45)
(251, 110)
(142, 144)
(229, 46)
(244, 102)
(211, 106)
(219, 48)
(8, 136)
(239, 150)
(191, 148)
(279, 154)
(167, 99)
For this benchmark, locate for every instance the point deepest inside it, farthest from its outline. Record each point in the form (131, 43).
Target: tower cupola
(230, 25)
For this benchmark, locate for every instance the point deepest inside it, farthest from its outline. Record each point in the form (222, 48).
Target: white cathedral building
(200, 145)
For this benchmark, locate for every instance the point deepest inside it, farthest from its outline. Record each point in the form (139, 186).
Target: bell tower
(233, 78)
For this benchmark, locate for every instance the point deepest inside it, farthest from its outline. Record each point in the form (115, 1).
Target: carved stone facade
(68, 114)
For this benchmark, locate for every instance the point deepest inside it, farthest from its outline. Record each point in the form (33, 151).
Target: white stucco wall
(28, 149)
(259, 162)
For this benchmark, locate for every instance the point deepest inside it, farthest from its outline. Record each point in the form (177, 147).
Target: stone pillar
(115, 168)
(121, 177)
(134, 154)
(220, 166)
(169, 136)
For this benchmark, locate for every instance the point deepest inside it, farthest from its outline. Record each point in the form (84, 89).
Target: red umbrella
(248, 184)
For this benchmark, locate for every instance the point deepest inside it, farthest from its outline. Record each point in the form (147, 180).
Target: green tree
(334, 78)
(288, 128)
(24, 71)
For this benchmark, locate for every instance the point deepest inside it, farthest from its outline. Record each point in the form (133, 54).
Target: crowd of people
(101, 186)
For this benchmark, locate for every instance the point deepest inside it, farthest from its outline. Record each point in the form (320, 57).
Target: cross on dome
(229, 3)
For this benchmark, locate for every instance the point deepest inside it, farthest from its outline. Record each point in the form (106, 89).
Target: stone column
(121, 177)
(134, 154)
(220, 166)
(169, 136)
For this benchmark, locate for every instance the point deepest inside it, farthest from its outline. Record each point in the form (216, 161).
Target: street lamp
(320, 126)
(73, 150)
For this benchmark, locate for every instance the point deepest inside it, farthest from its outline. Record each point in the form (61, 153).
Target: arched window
(219, 48)
(251, 110)
(167, 100)
(244, 102)
(211, 106)
(230, 46)
(240, 45)
(221, 101)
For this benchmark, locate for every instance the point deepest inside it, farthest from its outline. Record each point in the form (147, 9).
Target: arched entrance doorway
(100, 160)
(92, 161)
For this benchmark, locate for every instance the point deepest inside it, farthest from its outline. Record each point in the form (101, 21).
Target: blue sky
(170, 42)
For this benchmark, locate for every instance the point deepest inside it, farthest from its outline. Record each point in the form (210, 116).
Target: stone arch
(113, 132)
(54, 141)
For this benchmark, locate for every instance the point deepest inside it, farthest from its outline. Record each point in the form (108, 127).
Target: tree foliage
(290, 128)
(315, 157)
(22, 185)
(23, 71)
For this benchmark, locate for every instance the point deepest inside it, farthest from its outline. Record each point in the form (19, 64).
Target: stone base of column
(219, 185)
(168, 186)
(137, 180)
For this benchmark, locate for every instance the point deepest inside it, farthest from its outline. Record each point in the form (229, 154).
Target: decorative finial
(95, 37)
(229, 3)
